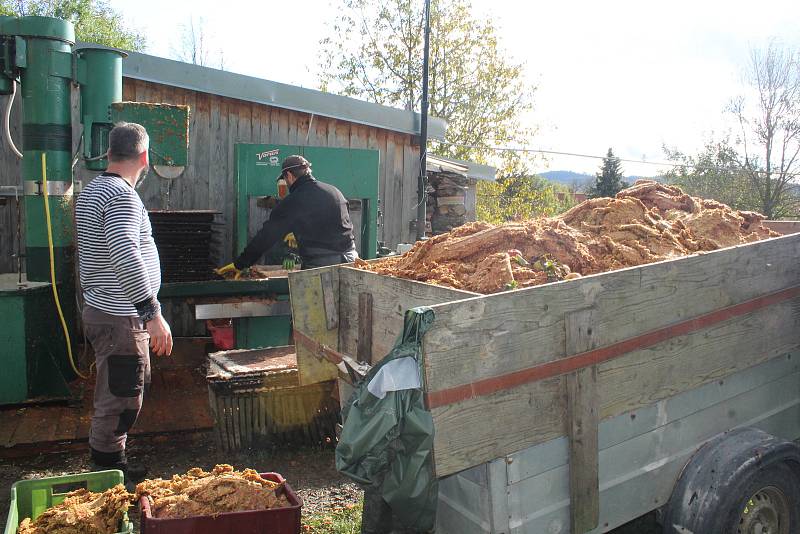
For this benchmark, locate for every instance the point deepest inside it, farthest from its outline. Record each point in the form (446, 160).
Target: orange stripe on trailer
(491, 385)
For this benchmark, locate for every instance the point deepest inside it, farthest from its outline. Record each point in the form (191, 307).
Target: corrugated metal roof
(440, 164)
(470, 169)
(229, 84)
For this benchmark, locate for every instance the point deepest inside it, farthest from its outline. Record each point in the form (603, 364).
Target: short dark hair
(126, 141)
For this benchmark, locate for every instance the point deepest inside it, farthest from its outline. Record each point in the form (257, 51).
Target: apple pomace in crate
(256, 400)
(222, 501)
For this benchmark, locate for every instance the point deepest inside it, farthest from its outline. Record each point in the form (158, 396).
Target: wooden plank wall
(489, 337)
(217, 124)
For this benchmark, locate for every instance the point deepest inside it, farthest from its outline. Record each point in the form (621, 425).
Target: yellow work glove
(230, 268)
(290, 241)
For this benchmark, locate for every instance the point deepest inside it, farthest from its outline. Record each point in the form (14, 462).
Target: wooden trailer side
(497, 367)
(354, 312)
(372, 308)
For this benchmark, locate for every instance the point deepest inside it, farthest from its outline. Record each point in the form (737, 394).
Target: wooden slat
(294, 127)
(359, 135)
(491, 336)
(128, 89)
(342, 134)
(331, 133)
(309, 317)
(582, 421)
(329, 300)
(195, 182)
(280, 126)
(391, 297)
(410, 186)
(364, 350)
(389, 192)
(245, 113)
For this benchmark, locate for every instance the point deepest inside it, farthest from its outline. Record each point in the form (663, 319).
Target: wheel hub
(766, 512)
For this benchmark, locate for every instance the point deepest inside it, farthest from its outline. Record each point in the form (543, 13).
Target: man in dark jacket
(315, 212)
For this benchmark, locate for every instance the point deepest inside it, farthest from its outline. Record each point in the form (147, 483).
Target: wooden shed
(229, 108)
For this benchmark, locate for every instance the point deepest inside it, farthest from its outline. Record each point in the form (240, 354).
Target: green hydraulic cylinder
(43, 56)
(100, 77)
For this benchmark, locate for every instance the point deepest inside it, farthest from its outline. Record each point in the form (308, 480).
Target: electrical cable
(524, 150)
(7, 120)
(53, 268)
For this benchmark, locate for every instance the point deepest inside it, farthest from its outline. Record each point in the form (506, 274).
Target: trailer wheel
(770, 505)
(744, 482)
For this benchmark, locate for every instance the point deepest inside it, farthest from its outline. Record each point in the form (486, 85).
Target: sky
(628, 75)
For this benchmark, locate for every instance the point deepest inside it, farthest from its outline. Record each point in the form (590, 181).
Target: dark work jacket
(315, 212)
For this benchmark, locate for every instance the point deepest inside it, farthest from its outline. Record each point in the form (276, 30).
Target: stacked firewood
(446, 201)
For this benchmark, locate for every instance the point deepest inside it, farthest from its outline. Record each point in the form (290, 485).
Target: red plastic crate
(274, 521)
(222, 333)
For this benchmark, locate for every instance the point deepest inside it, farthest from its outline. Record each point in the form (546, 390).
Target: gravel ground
(310, 472)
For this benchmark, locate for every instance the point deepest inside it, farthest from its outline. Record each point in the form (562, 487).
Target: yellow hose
(53, 268)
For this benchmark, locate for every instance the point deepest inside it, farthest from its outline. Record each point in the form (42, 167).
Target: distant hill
(568, 177)
(582, 180)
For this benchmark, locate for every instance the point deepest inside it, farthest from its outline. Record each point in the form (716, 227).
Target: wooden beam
(364, 352)
(582, 425)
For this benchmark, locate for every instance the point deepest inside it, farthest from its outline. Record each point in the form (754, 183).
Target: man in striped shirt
(120, 275)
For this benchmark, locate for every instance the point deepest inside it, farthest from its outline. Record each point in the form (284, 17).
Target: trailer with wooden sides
(578, 406)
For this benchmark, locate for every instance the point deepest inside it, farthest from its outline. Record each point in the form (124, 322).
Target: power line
(591, 156)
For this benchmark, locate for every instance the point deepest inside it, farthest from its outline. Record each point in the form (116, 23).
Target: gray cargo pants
(122, 358)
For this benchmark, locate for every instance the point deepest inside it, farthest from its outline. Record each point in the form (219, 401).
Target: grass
(341, 520)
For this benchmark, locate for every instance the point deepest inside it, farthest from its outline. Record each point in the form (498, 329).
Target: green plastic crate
(29, 498)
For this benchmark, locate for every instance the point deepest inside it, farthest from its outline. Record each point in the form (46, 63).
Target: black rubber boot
(133, 472)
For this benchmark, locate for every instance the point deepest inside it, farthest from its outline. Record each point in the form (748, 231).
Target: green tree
(95, 20)
(769, 127)
(520, 197)
(713, 173)
(608, 182)
(374, 51)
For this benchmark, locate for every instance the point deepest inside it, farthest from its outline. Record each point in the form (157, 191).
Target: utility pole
(423, 134)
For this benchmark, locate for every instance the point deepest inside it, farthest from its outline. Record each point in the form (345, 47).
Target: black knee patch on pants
(125, 375)
(126, 420)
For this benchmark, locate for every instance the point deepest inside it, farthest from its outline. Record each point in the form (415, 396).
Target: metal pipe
(423, 136)
(7, 120)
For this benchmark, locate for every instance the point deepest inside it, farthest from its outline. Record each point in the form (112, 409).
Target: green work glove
(230, 268)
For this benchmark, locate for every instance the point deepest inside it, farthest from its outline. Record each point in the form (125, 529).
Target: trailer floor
(177, 402)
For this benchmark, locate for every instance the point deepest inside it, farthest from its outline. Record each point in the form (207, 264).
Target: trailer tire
(742, 482)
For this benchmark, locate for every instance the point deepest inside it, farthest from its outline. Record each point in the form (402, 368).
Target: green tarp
(387, 443)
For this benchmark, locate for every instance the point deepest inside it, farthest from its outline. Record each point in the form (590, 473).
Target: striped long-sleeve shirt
(119, 267)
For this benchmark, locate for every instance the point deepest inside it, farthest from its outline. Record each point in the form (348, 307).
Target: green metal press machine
(260, 309)
(38, 309)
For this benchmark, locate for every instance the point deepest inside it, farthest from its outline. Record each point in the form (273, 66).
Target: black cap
(294, 162)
